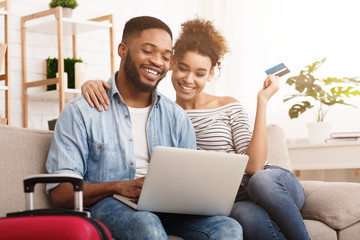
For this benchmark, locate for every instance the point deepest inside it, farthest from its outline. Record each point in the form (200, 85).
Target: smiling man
(111, 149)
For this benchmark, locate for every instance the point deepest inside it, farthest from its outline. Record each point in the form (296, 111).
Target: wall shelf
(70, 27)
(59, 26)
(53, 95)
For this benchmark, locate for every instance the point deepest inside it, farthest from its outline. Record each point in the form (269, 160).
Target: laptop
(189, 181)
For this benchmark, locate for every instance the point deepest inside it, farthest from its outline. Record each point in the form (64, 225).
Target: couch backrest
(23, 152)
(277, 149)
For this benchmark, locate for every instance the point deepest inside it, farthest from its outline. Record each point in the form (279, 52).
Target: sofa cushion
(277, 150)
(23, 153)
(351, 232)
(336, 204)
(319, 231)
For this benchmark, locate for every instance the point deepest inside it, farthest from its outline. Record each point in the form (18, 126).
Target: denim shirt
(99, 146)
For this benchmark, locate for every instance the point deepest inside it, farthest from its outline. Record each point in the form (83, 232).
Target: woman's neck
(202, 101)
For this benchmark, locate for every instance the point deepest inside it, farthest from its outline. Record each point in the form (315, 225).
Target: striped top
(223, 129)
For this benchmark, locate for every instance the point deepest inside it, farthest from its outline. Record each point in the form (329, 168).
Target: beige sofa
(331, 211)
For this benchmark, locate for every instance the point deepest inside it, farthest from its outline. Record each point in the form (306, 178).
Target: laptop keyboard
(134, 200)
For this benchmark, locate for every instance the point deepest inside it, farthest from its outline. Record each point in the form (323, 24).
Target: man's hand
(94, 91)
(131, 188)
(63, 195)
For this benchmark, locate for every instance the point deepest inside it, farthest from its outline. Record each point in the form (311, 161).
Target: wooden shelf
(4, 10)
(70, 27)
(51, 21)
(53, 95)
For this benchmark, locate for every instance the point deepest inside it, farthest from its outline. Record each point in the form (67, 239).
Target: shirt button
(131, 139)
(127, 116)
(99, 146)
(132, 163)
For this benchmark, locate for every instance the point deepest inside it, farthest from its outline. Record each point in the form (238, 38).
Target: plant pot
(318, 131)
(80, 74)
(67, 12)
(65, 80)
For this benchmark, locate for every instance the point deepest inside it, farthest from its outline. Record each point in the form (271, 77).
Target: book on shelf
(342, 139)
(345, 135)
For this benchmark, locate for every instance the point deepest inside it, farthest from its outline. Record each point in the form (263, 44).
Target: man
(111, 149)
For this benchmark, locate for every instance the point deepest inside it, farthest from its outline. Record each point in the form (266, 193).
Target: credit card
(278, 70)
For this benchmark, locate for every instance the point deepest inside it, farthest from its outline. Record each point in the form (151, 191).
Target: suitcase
(52, 224)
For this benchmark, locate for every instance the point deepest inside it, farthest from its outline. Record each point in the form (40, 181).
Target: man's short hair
(135, 26)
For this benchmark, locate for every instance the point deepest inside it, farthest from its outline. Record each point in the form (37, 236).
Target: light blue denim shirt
(99, 146)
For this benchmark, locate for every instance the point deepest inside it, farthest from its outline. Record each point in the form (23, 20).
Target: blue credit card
(278, 70)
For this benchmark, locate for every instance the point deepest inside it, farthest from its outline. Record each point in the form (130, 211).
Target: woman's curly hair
(200, 36)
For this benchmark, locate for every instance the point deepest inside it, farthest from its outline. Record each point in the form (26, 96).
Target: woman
(269, 198)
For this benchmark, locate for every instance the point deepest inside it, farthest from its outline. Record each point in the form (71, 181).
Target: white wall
(261, 33)
(93, 48)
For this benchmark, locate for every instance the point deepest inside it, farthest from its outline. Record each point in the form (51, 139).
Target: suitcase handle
(77, 182)
(29, 182)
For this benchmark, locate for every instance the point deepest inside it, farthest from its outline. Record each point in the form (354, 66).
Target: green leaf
(63, 3)
(331, 80)
(315, 65)
(328, 91)
(299, 108)
(69, 67)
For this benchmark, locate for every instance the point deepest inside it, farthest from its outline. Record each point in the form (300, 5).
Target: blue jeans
(127, 223)
(268, 205)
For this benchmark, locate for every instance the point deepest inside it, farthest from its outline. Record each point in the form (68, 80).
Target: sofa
(331, 210)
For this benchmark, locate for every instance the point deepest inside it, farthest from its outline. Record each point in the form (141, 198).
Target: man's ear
(211, 74)
(122, 50)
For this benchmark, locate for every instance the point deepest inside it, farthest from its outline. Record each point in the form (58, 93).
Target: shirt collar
(114, 92)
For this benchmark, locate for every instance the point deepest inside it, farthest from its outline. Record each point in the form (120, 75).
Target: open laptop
(190, 182)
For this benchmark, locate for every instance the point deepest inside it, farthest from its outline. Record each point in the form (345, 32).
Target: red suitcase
(52, 224)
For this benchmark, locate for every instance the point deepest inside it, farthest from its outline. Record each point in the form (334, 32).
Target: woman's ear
(211, 74)
(122, 50)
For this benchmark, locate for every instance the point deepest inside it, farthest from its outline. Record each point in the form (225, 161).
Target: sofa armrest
(336, 204)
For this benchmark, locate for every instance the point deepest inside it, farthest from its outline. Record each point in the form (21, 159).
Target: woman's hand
(270, 87)
(94, 92)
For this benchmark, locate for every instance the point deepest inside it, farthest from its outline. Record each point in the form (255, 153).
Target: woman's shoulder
(225, 100)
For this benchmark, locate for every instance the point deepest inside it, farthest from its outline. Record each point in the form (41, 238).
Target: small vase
(67, 12)
(318, 131)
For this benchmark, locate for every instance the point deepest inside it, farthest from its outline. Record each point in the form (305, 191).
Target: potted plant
(68, 6)
(69, 68)
(319, 94)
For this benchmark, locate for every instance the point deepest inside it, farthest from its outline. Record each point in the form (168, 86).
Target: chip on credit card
(278, 70)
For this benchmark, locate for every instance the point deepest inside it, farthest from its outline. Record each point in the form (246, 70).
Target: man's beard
(134, 76)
